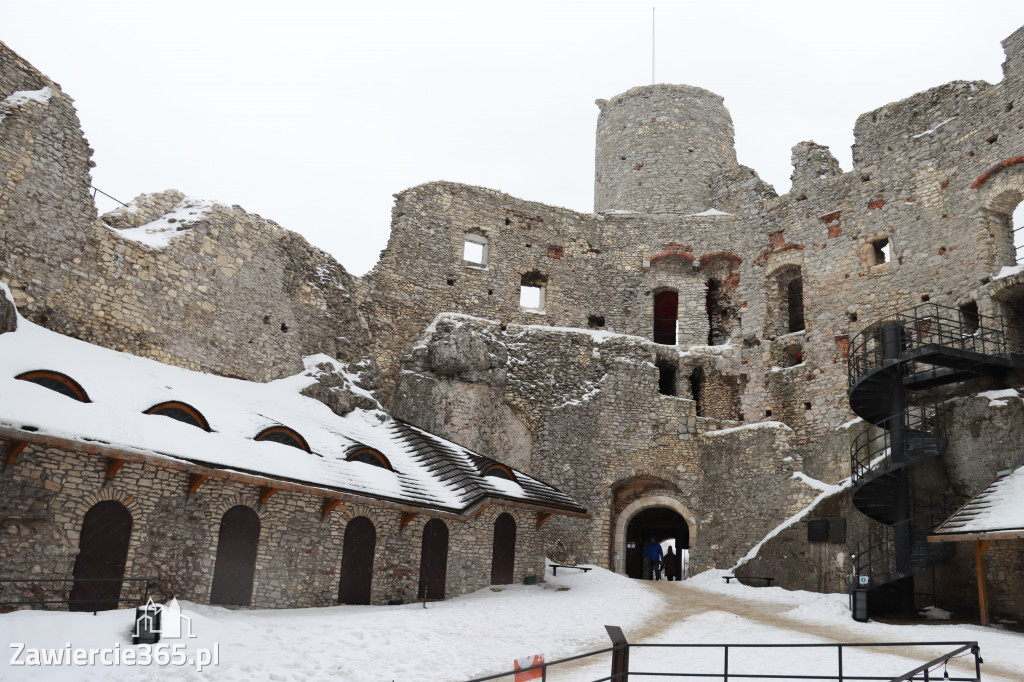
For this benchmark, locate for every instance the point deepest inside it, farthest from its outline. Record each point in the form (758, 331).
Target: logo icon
(161, 620)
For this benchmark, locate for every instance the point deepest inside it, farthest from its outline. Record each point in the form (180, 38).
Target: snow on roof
(999, 508)
(428, 471)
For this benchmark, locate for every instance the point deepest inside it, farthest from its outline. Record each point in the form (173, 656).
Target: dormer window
(283, 435)
(500, 471)
(371, 457)
(181, 412)
(55, 381)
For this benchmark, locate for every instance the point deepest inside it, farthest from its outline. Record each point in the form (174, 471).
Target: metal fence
(844, 669)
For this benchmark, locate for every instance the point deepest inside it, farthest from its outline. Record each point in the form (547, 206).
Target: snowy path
(724, 614)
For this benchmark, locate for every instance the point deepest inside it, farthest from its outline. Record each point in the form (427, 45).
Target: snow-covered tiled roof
(998, 510)
(429, 472)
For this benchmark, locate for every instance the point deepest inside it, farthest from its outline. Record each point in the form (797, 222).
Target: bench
(730, 578)
(554, 568)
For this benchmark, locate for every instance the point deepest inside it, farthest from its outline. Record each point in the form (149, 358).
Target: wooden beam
(194, 481)
(266, 492)
(14, 448)
(407, 518)
(979, 566)
(329, 505)
(114, 465)
(542, 518)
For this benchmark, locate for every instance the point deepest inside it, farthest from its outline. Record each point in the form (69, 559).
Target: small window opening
(283, 435)
(181, 412)
(57, 382)
(881, 251)
(992, 139)
(925, 298)
(474, 249)
(767, 413)
(371, 457)
(499, 471)
(667, 377)
(531, 291)
(970, 319)
(451, 282)
(795, 302)
(852, 316)
(595, 321)
(666, 313)
(284, 327)
(807, 406)
(697, 389)
(792, 355)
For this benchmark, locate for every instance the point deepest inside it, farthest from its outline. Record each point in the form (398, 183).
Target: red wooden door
(236, 557)
(666, 310)
(503, 551)
(433, 560)
(357, 562)
(102, 553)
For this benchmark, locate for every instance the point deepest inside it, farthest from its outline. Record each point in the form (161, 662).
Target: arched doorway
(503, 551)
(236, 557)
(433, 560)
(102, 553)
(661, 523)
(357, 562)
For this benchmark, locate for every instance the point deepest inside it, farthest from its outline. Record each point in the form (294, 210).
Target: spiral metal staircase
(891, 366)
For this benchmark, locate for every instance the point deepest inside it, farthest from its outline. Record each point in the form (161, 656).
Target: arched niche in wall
(235, 569)
(503, 550)
(433, 560)
(356, 581)
(102, 555)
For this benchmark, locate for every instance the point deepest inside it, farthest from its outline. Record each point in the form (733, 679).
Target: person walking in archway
(671, 565)
(653, 557)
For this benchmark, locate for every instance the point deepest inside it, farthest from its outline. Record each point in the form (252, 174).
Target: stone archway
(637, 506)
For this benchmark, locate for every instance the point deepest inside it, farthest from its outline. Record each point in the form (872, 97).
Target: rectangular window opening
(531, 298)
(970, 319)
(474, 249)
(882, 251)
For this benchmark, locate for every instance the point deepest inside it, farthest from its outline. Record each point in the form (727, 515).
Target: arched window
(433, 560)
(181, 412)
(666, 313)
(55, 381)
(370, 456)
(102, 554)
(500, 471)
(235, 569)
(357, 562)
(503, 550)
(283, 435)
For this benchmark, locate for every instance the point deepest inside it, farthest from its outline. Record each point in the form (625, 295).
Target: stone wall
(44, 497)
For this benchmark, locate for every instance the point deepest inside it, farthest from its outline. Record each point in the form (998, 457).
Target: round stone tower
(658, 148)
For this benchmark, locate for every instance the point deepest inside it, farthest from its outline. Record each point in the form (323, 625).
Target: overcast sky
(314, 113)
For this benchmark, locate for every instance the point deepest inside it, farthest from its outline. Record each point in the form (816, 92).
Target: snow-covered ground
(484, 632)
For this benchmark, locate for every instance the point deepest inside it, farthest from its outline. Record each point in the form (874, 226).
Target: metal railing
(44, 595)
(96, 190)
(845, 669)
(926, 325)
(875, 555)
(871, 453)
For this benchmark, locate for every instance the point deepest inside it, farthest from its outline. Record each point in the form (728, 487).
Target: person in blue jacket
(653, 556)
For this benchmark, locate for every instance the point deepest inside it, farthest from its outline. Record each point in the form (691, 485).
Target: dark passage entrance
(666, 310)
(660, 522)
(236, 557)
(357, 562)
(433, 560)
(102, 553)
(503, 551)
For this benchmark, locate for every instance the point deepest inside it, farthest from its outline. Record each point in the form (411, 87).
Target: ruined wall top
(659, 147)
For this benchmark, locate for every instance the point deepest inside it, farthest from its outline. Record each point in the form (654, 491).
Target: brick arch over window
(1001, 199)
(637, 506)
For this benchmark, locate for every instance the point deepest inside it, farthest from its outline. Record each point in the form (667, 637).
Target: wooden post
(113, 466)
(194, 481)
(620, 656)
(14, 448)
(979, 564)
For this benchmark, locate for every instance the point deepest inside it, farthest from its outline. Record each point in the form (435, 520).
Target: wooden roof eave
(174, 463)
(1011, 534)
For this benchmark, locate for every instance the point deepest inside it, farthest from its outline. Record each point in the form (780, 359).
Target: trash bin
(146, 628)
(860, 605)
